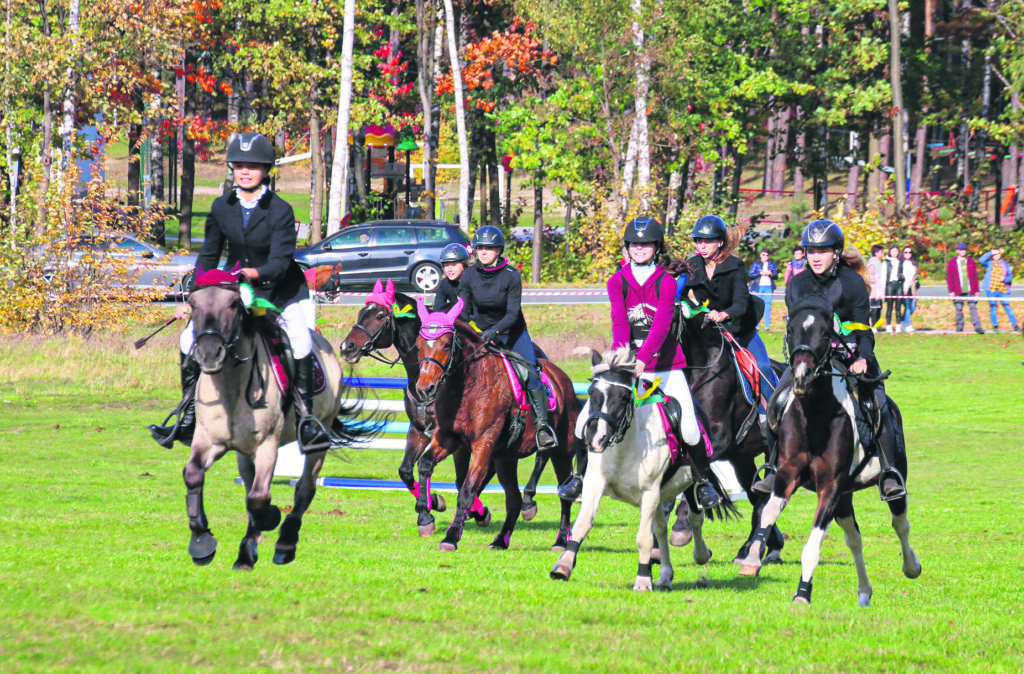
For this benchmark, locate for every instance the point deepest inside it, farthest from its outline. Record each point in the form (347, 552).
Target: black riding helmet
(454, 252)
(489, 235)
(709, 227)
(823, 234)
(251, 147)
(644, 229)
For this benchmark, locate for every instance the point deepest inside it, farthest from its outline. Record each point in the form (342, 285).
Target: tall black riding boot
(546, 440)
(572, 488)
(311, 434)
(767, 483)
(707, 497)
(185, 427)
(890, 483)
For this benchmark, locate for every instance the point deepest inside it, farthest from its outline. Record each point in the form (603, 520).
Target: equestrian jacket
(446, 295)
(266, 243)
(726, 291)
(847, 291)
(493, 296)
(645, 312)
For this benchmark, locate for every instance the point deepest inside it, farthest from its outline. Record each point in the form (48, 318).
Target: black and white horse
(819, 449)
(630, 459)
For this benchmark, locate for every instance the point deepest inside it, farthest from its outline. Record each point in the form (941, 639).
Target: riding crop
(142, 342)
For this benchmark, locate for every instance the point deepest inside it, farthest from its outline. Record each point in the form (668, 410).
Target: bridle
(618, 425)
(231, 341)
(370, 348)
(446, 368)
(822, 360)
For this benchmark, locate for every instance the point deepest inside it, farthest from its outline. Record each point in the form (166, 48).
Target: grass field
(96, 576)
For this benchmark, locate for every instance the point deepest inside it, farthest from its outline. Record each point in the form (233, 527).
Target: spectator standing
(893, 289)
(909, 287)
(876, 283)
(763, 274)
(796, 265)
(962, 281)
(997, 283)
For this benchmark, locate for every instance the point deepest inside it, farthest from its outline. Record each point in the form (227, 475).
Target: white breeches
(674, 384)
(293, 320)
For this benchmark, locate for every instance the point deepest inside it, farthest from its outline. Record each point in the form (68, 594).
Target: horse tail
(354, 427)
(726, 510)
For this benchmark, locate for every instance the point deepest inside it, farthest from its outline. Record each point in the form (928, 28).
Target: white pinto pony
(630, 460)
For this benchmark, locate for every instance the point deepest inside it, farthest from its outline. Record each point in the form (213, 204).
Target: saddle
(282, 359)
(518, 372)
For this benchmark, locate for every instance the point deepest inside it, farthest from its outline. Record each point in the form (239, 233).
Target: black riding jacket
(266, 243)
(447, 294)
(848, 293)
(726, 291)
(493, 297)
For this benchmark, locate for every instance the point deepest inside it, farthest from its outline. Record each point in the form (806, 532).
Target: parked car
(146, 266)
(408, 251)
(551, 234)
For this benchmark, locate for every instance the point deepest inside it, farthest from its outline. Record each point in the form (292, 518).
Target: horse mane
(622, 358)
(814, 302)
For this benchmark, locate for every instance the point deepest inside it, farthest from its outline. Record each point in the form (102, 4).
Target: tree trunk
(338, 202)
(316, 156)
(492, 175)
(135, 167)
(426, 24)
(675, 181)
(188, 166)
(641, 89)
(67, 129)
(801, 148)
(895, 75)
(852, 174)
(460, 117)
(737, 181)
(538, 223)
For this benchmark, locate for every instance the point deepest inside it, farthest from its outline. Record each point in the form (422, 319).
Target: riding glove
(488, 335)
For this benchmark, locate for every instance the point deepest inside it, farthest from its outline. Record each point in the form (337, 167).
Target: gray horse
(241, 407)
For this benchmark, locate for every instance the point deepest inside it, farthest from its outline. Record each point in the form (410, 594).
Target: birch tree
(338, 202)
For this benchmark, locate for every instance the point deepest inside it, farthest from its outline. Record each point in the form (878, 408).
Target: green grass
(96, 577)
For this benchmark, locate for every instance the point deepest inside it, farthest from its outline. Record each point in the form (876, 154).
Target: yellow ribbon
(651, 389)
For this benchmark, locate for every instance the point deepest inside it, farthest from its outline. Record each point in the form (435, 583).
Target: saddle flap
(777, 405)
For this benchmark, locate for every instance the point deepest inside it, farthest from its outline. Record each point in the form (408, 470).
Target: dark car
(408, 251)
(124, 258)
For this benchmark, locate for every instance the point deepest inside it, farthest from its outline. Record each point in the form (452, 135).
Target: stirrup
(546, 446)
(765, 484)
(894, 474)
(319, 439)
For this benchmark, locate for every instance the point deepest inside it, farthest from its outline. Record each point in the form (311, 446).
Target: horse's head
(809, 335)
(611, 399)
(438, 344)
(375, 327)
(217, 317)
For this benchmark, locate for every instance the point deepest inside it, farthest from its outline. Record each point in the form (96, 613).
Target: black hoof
(437, 503)
(572, 489)
(482, 519)
(284, 557)
(203, 561)
(773, 557)
(528, 510)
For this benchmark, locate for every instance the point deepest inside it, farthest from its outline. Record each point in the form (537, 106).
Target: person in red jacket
(962, 281)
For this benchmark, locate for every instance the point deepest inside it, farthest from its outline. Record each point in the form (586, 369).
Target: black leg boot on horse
(185, 427)
(310, 433)
(538, 396)
(572, 488)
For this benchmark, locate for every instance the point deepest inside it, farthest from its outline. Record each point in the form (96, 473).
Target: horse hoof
(773, 557)
(203, 561)
(801, 600)
(680, 538)
(202, 547)
(445, 546)
(747, 569)
(437, 503)
(864, 601)
(241, 566)
(528, 512)
(702, 560)
(284, 557)
(483, 520)
(561, 571)
(643, 585)
(663, 587)
(913, 571)
(427, 530)
(558, 547)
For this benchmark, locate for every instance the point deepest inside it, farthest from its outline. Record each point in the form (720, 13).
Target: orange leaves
(516, 53)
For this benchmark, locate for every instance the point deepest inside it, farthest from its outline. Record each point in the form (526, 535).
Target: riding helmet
(454, 252)
(644, 229)
(251, 147)
(709, 227)
(489, 235)
(823, 234)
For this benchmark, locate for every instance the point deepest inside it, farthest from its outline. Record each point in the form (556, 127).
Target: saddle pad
(281, 376)
(517, 386)
(746, 364)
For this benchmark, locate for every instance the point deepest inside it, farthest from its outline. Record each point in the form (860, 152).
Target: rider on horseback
(832, 278)
(493, 290)
(454, 260)
(642, 296)
(717, 278)
(258, 228)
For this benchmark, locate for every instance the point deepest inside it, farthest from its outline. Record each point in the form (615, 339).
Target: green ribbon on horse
(404, 312)
(847, 327)
(257, 305)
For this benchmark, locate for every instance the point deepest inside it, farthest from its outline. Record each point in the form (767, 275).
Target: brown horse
(819, 449)
(476, 409)
(240, 407)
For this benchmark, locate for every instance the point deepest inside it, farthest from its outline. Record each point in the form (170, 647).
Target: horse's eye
(381, 315)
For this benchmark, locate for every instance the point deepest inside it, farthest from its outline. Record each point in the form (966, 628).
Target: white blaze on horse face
(800, 370)
(430, 343)
(808, 322)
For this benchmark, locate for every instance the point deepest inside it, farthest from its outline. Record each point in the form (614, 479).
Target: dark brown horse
(476, 410)
(819, 450)
(735, 432)
(389, 319)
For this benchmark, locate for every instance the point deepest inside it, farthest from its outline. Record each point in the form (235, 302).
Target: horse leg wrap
(643, 570)
(572, 546)
(803, 591)
(194, 506)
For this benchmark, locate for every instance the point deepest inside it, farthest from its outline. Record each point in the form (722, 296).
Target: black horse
(736, 434)
(819, 449)
(381, 325)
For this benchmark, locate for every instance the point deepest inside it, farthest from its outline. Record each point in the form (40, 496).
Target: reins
(619, 425)
(370, 349)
